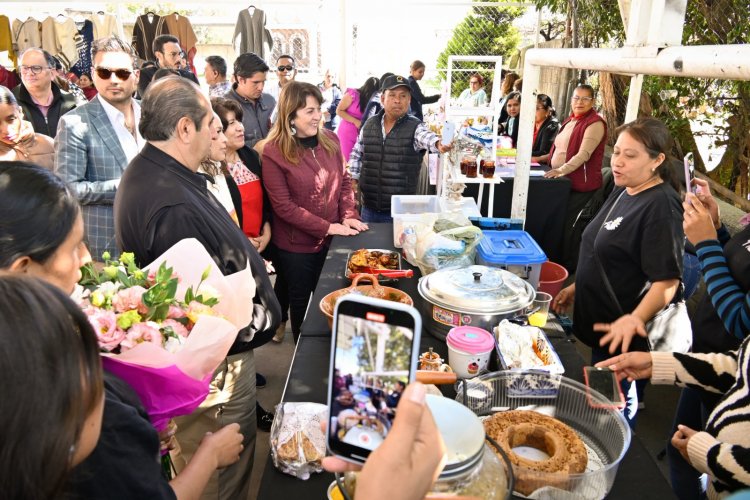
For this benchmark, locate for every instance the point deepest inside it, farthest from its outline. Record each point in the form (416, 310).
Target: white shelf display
(451, 183)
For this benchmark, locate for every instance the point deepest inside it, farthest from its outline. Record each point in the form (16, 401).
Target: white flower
(174, 344)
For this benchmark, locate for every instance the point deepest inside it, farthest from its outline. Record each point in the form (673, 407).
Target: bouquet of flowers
(165, 328)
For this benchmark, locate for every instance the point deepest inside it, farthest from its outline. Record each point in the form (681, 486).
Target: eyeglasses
(285, 68)
(106, 73)
(474, 82)
(579, 98)
(34, 70)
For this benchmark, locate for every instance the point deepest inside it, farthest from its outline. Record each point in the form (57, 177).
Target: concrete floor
(273, 361)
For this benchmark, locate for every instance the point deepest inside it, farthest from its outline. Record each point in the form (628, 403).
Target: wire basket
(604, 431)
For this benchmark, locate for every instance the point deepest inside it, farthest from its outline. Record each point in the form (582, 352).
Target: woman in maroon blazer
(310, 192)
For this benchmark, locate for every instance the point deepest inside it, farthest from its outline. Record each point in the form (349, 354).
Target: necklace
(642, 187)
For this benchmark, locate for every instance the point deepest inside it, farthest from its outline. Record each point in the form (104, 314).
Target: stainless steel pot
(475, 295)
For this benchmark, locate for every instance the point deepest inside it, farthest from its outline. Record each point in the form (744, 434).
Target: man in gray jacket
(250, 78)
(96, 141)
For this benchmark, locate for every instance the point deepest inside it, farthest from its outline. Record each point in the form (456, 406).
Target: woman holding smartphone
(633, 247)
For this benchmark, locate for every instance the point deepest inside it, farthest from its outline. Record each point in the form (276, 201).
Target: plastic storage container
(514, 251)
(604, 431)
(407, 209)
(469, 350)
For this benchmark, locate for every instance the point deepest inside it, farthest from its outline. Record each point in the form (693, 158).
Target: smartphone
(374, 352)
(689, 173)
(604, 382)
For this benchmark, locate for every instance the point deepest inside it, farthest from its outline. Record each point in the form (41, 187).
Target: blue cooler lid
(510, 248)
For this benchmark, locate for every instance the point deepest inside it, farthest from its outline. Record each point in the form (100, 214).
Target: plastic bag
(298, 443)
(441, 240)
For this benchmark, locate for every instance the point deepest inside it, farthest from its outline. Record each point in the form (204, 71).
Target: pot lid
(477, 289)
(470, 339)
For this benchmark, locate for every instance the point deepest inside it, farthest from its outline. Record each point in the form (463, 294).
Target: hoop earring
(292, 128)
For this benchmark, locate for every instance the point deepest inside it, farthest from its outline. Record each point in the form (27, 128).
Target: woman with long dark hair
(546, 127)
(41, 235)
(350, 110)
(310, 191)
(17, 143)
(635, 245)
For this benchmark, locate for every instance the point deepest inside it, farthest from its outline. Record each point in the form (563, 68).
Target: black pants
(571, 234)
(300, 272)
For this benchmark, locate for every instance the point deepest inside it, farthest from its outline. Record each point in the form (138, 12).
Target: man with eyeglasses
(43, 102)
(96, 141)
(168, 55)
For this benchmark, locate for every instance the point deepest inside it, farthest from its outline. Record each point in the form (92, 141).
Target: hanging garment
(251, 28)
(6, 40)
(58, 38)
(144, 32)
(84, 37)
(179, 26)
(27, 34)
(106, 25)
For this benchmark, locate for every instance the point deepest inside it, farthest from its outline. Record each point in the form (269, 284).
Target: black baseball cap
(394, 81)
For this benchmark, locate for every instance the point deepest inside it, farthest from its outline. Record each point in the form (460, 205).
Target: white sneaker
(280, 331)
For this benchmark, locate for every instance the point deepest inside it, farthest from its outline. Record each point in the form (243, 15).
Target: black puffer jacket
(62, 102)
(391, 165)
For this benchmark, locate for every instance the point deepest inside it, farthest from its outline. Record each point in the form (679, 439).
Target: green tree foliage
(721, 104)
(484, 31)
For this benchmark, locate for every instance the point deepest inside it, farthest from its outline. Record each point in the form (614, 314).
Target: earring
(292, 128)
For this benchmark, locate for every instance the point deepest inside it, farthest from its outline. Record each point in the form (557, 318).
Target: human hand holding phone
(374, 354)
(410, 458)
(604, 382)
(697, 221)
(634, 365)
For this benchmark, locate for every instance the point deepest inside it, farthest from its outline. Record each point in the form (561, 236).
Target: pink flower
(130, 299)
(142, 332)
(177, 327)
(175, 312)
(105, 325)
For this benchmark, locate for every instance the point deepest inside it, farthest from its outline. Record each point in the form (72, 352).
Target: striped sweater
(722, 450)
(731, 303)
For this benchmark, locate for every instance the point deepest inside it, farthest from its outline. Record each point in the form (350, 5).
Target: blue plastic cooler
(515, 251)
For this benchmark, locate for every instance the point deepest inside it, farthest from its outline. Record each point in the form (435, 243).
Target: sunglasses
(285, 68)
(106, 73)
(34, 70)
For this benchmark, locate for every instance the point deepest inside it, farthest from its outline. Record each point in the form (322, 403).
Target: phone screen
(373, 361)
(604, 381)
(689, 173)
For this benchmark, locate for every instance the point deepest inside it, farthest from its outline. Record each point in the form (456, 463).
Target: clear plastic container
(407, 210)
(604, 431)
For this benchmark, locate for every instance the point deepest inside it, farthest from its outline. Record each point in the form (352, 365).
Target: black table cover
(545, 209)
(638, 474)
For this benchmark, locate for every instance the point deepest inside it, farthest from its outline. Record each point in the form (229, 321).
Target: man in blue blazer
(96, 141)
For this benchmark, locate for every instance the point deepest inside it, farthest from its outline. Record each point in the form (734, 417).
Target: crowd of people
(265, 176)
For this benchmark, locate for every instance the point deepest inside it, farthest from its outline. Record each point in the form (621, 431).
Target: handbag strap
(607, 284)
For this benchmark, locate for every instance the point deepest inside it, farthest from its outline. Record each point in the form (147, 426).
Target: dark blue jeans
(369, 215)
(629, 390)
(300, 272)
(685, 480)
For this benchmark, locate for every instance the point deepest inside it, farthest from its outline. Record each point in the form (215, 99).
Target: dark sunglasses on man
(106, 73)
(285, 68)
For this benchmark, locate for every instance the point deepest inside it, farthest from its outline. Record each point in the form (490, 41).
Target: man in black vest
(388, 155)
